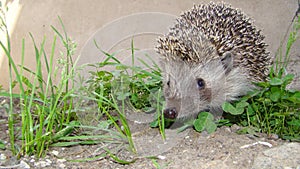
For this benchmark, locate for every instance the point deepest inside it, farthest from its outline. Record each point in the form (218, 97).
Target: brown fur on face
(182, 93)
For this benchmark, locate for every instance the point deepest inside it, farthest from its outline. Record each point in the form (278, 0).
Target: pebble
(61, 165)
(2, 157)
(161, 157)
(24, 165)
(43, 163)
(61, 160)
(54, 152)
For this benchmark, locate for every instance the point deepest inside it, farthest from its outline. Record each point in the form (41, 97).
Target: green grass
(45, 107)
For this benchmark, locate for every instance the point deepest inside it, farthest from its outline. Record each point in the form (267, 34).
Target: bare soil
(188, 149)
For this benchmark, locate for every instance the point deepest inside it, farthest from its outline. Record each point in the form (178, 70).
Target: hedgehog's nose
(170, 113)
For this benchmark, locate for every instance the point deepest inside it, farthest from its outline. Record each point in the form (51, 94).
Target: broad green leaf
(211, 127)
(205, 121)
(275, 89)
(288, 78)
(262, 84)
(228, 108)
(275, 96)
(295, 98)
(242, 104)
(275, 81)
(199, 125)
(240, 107)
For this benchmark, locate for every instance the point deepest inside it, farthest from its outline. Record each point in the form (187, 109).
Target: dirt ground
(188, 149)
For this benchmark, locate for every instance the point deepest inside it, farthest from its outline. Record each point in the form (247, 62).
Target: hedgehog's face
(192, 88)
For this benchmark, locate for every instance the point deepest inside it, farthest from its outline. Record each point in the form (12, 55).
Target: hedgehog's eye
(200, 84)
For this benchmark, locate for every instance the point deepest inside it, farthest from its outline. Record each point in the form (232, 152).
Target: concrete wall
(106, 22)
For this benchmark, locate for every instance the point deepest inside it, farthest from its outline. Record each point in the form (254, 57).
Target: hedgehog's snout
(170, 113)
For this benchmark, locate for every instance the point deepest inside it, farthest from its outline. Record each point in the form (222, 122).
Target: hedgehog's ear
(227, 61)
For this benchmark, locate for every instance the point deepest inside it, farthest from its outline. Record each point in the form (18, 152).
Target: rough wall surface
(85, 19)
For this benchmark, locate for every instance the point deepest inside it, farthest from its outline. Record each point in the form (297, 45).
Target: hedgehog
(211, 55)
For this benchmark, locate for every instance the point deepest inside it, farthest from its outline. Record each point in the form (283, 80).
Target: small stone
(54, 152)
(61, 165)
(234, 128)
(41, 164)
(61, 160)
(48, 161)
(23, 164)
(3, 157)
(227, 129)
(161, 157)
